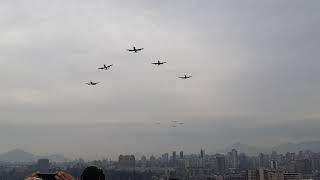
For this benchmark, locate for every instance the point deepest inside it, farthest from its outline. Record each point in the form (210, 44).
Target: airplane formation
(134, 50)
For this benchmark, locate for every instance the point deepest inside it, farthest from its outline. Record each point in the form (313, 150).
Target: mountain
(282, 148)
(295, 147)
(56, 158)
(243, 148)
(17, 155)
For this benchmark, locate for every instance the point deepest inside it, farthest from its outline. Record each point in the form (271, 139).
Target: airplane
(135, 50)
(92, 83)
(159, 63)
(158, 123)
(174, 121)
(181, 123)
(174, 126)
(105, 67)
(185, 77)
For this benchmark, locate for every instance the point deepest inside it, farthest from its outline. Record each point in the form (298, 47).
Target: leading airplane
(92, 83)
(135, 50)
(105, 67)
(185, 77)
(158, 63)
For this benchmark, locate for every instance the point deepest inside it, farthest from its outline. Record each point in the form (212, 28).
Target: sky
(255, 67)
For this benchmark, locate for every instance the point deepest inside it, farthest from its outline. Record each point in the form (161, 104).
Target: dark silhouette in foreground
(89, 173)
(92, 173)
(51, 176)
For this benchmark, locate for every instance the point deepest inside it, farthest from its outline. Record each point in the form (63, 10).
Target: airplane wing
(154, 63)
(130, 49)
(101, 68)
(182, 77)
(139, 49)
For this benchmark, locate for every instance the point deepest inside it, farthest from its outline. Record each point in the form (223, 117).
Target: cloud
(254, 61)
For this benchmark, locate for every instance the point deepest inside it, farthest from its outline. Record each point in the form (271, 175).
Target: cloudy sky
(255, 67)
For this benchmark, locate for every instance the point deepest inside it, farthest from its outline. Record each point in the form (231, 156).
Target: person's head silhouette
(92, 173)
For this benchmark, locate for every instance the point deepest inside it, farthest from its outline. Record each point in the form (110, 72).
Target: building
(274, 164)
(252, 174)
(291, 176)
(220, 164)
(234, 159)
(181, 154)
(202, 153)
(174, 156)
(127, 161)
(263, 160)
(165, 159)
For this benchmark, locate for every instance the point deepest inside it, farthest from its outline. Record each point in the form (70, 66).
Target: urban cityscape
(232, 165)
(159, 90)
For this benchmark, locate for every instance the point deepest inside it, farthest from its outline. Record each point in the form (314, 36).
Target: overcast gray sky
(255, 67)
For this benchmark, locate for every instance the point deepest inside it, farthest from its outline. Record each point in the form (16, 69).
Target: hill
(18, 155)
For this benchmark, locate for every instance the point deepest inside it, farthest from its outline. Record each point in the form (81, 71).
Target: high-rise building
(263, 160)
(127, 161)
(220, 164)
(243, 162)
(181, 154)
(202, 153)
(165, 159)
(233, 159)
(303, 166)
(174, 156)
(152, 161)
(290, 156)
(143, 161)
(273, 164)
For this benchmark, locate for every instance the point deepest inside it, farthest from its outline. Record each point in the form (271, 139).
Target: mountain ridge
(19, 155)
(282, 148)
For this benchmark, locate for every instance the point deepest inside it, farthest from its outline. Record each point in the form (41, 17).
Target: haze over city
(254, 66)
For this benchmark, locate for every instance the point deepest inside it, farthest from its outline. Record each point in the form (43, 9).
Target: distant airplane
(92, 83)
(105, 67)
(174, 126)
(157, 123)
(185, 77)
(135, 50)
(181, 123)
(159, 63)
(174, 121)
